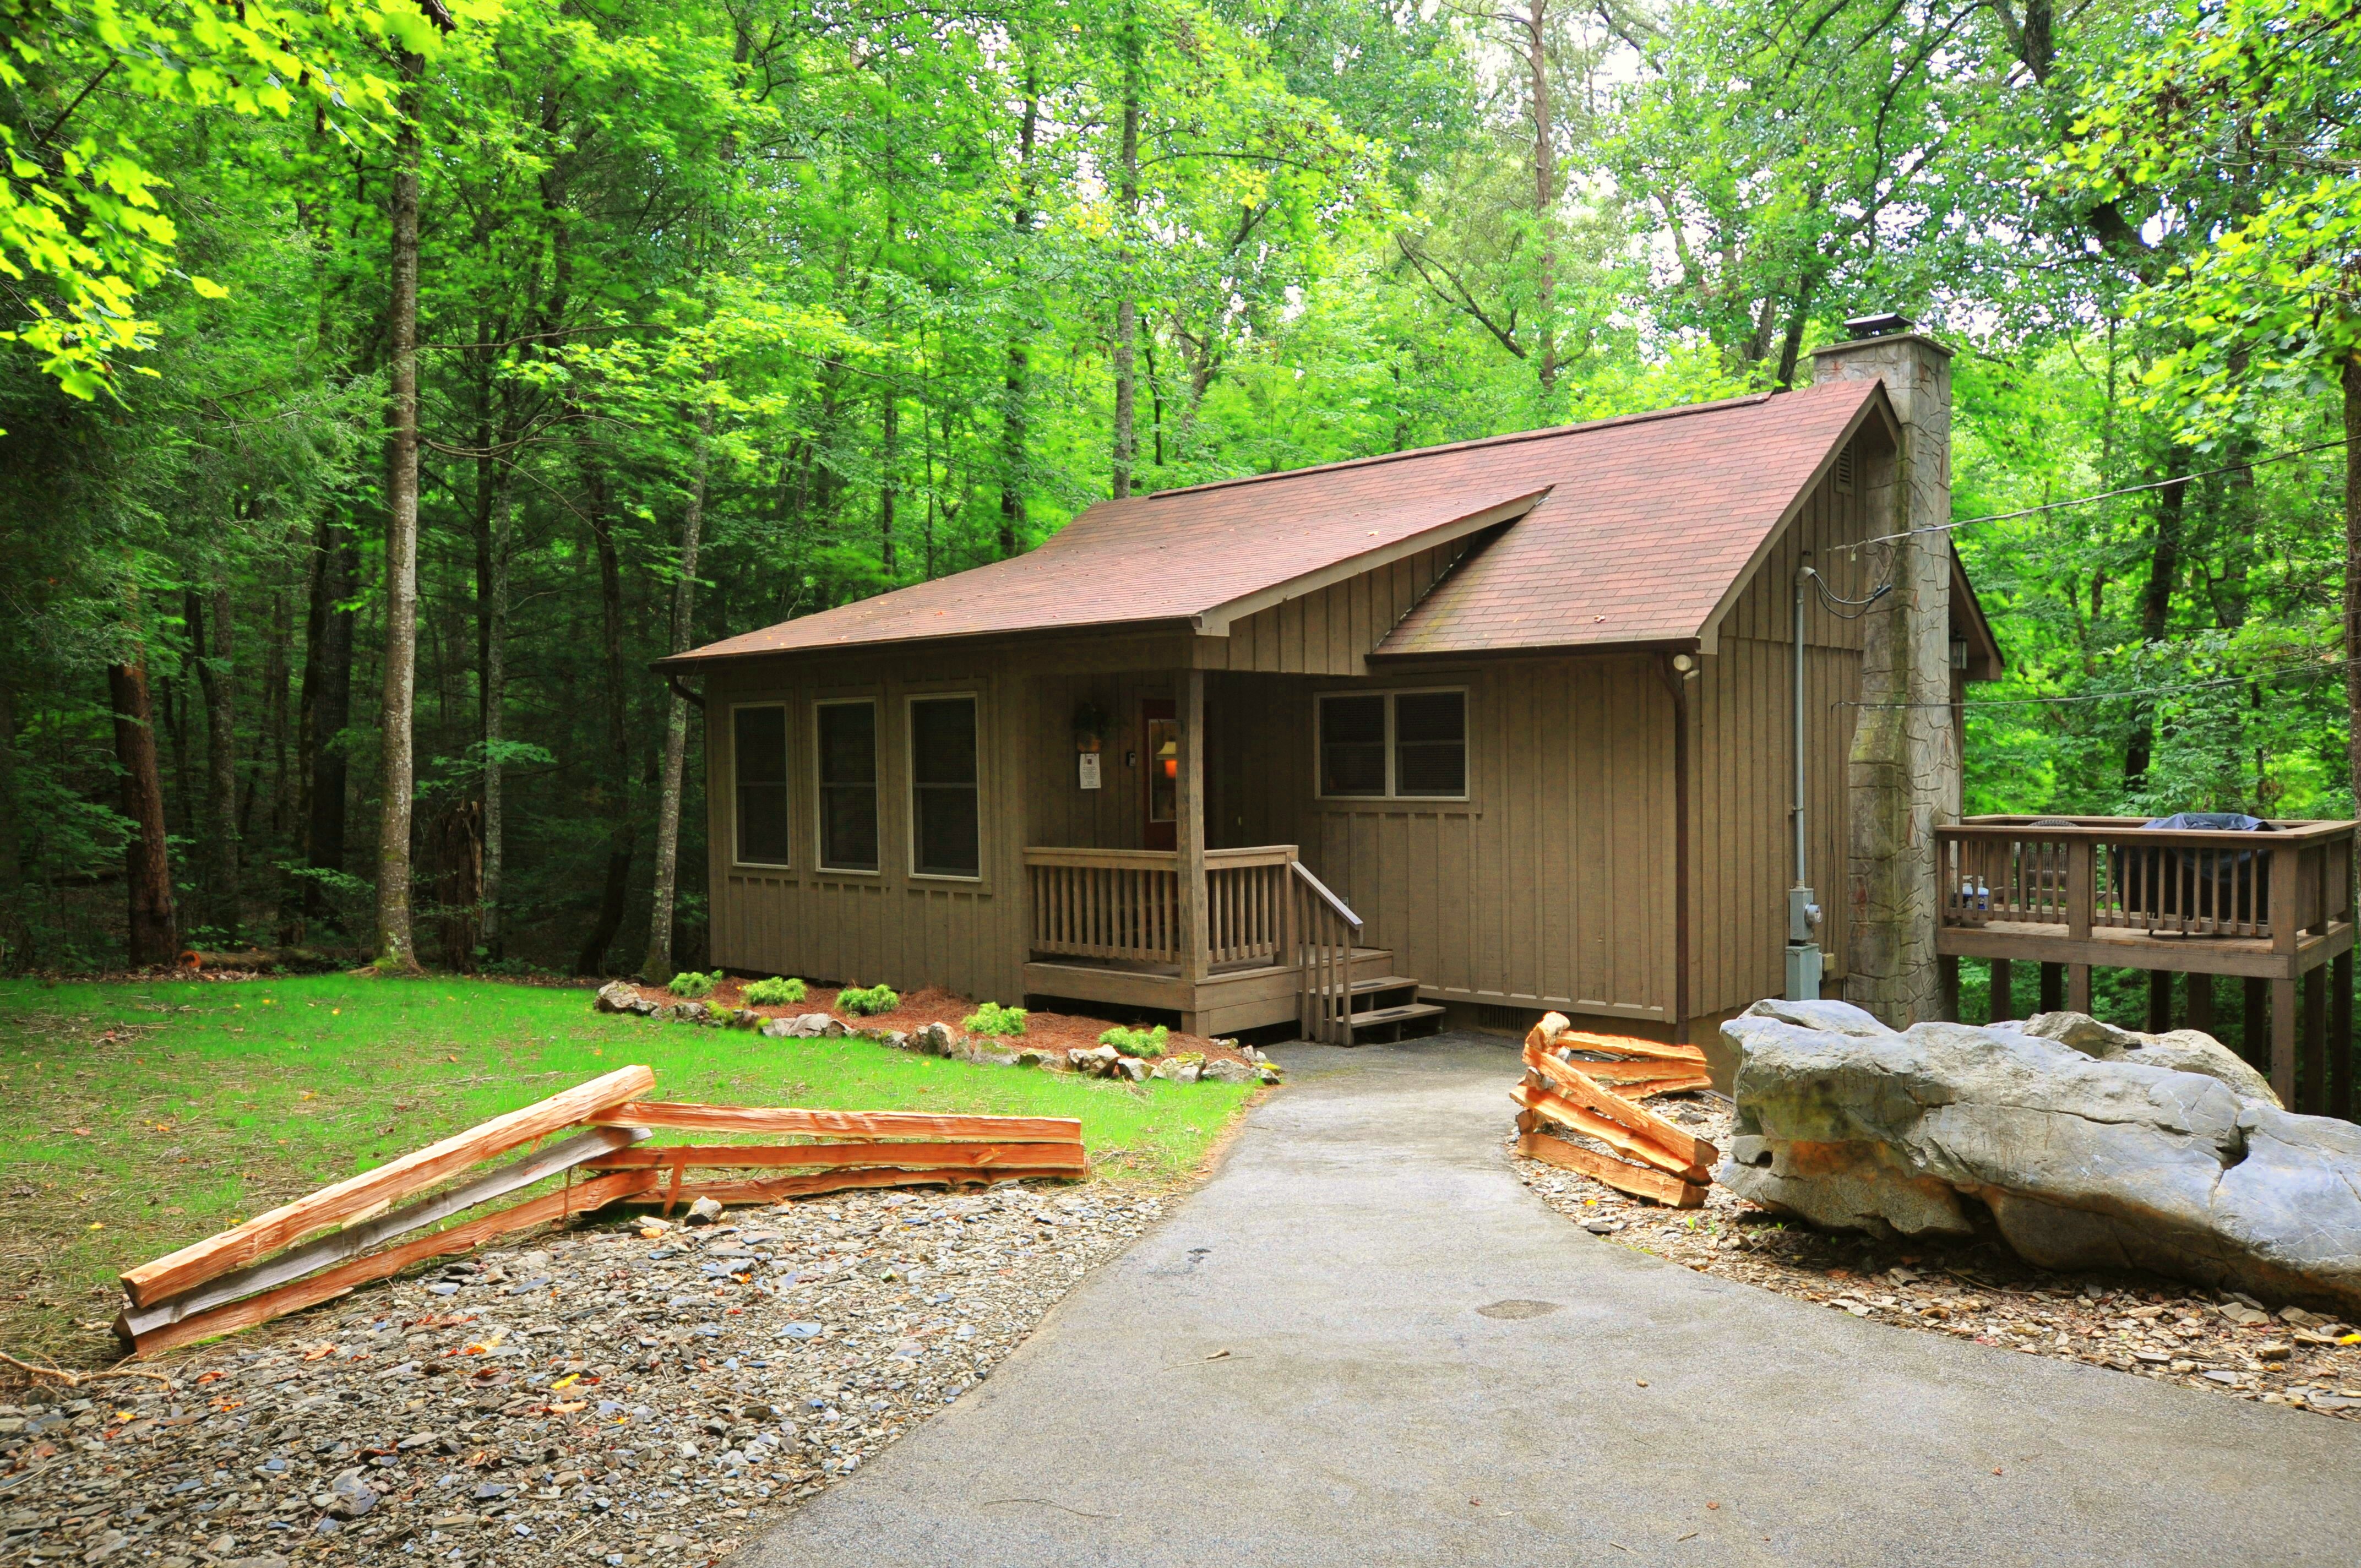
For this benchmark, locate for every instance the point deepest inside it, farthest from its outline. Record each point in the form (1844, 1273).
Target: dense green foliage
(774, 992)
(856, 295)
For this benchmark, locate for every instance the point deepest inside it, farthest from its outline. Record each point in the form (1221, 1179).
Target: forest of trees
(387, 382)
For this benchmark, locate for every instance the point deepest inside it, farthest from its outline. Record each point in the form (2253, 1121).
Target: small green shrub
(1137, 1042)
(991, 1018)
(774, 992)
(868, 1002)
(690, 983)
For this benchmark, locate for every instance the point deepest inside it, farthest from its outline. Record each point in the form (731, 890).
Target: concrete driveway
(1367, 1413)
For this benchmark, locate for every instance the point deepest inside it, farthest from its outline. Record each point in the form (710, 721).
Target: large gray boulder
(2081, 1161)
(2183, 1050)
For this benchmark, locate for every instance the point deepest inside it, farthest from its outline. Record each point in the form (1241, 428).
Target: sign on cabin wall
(1090, 770)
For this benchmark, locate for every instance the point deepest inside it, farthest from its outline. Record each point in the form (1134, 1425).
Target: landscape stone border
(942, 1040)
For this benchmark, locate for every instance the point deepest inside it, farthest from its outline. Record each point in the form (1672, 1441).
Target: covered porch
(1228, 939)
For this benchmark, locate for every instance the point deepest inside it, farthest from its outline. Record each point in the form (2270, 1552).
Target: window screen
(1353, 745)
(944, 836)
(758, 753)
(1431, 743)
(848, 786)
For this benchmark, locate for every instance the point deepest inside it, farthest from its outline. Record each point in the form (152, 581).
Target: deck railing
(1123, 905)
(1322, 933)
(1263, 906)
(1118, 905)
(2101, 873)
(1246, 909)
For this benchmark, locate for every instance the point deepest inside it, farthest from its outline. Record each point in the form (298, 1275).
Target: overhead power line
(2291, 452)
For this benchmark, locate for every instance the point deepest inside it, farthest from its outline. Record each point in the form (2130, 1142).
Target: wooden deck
(2069, 894)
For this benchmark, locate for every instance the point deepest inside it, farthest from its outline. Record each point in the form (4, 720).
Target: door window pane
(946, 841)
(758, 753)
(1431, 743)
(1353, 745)
(848, 786)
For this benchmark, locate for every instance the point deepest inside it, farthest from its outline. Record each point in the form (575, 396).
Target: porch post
(1189, 831)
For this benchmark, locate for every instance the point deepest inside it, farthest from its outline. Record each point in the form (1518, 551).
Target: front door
(1160, 726)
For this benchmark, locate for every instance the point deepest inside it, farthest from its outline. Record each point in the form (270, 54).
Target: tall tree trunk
(2352, 385)
(186, 792)
(1545, 196)
(494, 729)
(657, 967)
(153, 933)
(396, 951)
(212, 639)
(1126, 308)
(1019, 369)
(494, 524)
(327, 708)
(593, 957)
(2156, 608)
(277, 691)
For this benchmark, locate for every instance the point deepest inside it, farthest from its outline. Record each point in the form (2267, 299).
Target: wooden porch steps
(1396, 1018)
(1385, 1005)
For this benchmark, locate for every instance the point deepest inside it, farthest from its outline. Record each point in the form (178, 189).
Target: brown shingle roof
(1648, 531)
(1627, 530)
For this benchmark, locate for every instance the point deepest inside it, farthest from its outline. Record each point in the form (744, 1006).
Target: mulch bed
(932, 1005)
(2135, 1324)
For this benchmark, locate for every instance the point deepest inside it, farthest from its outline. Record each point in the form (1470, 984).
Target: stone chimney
(1903, 778)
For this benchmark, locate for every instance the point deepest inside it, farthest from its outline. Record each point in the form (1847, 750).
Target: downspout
(1802, 914)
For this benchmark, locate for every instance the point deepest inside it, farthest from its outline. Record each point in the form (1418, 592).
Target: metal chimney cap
(1881, 325)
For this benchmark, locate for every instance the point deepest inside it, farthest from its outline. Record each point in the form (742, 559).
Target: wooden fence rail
(1566, 1072)
(328, 1243)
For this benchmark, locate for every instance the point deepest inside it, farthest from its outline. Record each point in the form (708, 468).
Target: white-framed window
(946, 812)
(758, 768)
(844, 760)
(1393, 745)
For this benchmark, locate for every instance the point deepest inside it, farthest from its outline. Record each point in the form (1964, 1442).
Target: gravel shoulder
(2222, 1341)
(625, 1392)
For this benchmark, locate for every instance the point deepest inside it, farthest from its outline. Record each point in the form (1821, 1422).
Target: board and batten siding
(893, 927)
(1741, 838)
(1549, 887)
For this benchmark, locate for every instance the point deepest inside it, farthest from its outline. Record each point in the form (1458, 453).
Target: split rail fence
(328, 1243)
(1567, 1074)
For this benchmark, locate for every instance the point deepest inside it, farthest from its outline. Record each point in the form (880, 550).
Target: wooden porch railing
(2101, 873)
(1123, 905)
(1118, 905)
(1246, 909)
(1321, 934)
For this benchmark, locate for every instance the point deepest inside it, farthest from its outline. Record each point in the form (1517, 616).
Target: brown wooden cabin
(1492, 728)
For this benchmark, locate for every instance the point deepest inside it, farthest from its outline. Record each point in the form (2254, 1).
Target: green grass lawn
(137, 1118)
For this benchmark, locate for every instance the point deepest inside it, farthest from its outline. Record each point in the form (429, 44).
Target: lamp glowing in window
(1168, 756)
